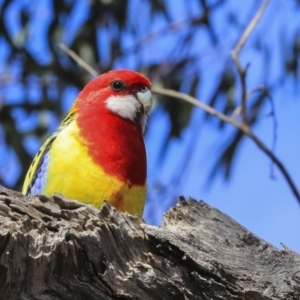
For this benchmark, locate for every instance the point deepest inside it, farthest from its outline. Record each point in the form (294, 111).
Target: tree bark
(56, 248)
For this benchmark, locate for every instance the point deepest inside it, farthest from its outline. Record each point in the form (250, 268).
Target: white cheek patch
(124, 106)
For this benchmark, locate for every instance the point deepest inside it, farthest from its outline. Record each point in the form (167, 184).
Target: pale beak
(145, 99)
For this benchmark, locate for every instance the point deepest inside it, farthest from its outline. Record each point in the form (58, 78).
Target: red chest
(116, 144)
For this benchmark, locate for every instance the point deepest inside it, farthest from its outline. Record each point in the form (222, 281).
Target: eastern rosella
(98, 152)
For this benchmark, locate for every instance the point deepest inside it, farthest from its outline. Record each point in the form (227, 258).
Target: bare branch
(241, 126)
(243, 72)
(275, 126)
(79, 60)
(235, 56)
(272, 114)
(202, 105)
(238, 109)
(249, 29)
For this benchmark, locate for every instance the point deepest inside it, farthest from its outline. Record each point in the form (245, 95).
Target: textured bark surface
(55, 248)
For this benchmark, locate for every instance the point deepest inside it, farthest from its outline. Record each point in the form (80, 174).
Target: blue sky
(263, 205)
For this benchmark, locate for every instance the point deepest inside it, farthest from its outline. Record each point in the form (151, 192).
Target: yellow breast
(72, 173)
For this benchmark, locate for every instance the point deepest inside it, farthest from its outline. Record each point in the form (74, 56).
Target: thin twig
(250, 28)
(238, 109)
(243, 73)
(261, 88)
(272, 113)
(235, 56)
(285, 247)
(196, 102)
(79, 60)
(275, 126)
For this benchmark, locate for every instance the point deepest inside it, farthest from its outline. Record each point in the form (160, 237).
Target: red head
(122, 92)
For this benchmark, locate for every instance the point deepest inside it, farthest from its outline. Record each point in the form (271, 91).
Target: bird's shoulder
(35, 178)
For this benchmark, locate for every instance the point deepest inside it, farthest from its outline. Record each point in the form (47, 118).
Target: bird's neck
(114, 143)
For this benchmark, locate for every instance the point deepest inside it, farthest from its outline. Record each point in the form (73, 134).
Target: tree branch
(55, 248)
(200, 104)
(239, 125)
(235, 56)
(79, 60)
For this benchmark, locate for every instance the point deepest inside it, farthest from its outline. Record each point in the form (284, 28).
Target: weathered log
(55, 248)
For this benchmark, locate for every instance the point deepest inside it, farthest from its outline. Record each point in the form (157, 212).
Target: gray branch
(55, 248)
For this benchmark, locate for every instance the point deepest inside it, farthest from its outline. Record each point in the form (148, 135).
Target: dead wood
(55, 248)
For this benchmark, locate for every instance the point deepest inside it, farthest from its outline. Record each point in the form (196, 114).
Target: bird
(98, 152)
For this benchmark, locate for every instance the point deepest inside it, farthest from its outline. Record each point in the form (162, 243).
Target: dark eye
(117, 85)
(143, 89)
